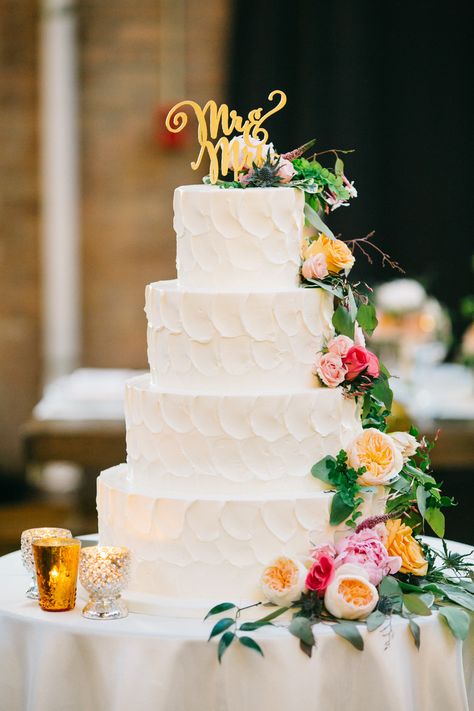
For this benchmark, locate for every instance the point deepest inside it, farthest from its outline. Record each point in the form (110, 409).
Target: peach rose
(401, 542)
(285, 170)
(351, 595)
(337, 253)
(406, 443)
(331, 369)
(377, 452)
(283, 581)
(315, 267)
(340, 345)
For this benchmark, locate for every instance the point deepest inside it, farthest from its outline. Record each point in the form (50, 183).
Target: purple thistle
(373, 521)
(298, 152)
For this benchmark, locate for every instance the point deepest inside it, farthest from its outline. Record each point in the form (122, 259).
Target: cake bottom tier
(213, 548)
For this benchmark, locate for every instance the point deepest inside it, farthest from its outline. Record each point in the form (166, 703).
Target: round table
(63, 662)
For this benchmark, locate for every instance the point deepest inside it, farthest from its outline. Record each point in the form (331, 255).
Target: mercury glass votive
(104, 572)
(57, 563)
(27, 538)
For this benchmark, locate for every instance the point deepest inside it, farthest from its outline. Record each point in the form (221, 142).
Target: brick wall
(19, 277)
(127, 181)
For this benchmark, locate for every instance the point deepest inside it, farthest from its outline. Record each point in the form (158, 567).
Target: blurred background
(87, 174)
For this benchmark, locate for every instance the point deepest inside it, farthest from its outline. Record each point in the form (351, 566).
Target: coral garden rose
(315, 267)
(331, 369)
(337, 253)
(367, 550)
(359, 360)
(321, 573)
(243, 154)
(285, 170)
(351, 595)
(400, 542)
(340, 345)
(377, 452)
(283, 581)
(406, 443)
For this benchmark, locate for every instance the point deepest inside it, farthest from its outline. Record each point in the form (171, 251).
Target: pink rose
(328, 549)
(320, 574)
(359, 360)
(367, 550)
(359, 338)
(315, 267)
(340, 345)
(331, 369)
(285, 170)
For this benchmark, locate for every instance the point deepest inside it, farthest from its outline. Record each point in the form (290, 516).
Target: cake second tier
(230, 341)
(210, 443)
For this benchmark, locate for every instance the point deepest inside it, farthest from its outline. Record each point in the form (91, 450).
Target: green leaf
(222, 607)
(383, 392)
(415, 630)
(306, 648)
(352, 306)
(221, 626)
(457, 620)
(421, 496)
(367, 317)
(343, 322)
(267, 620)
(458, 595)
(301, 627)
(334, 290)
(251, 644)
(224, 643)
(389, 587)
(339, 510)
(323, 469)
(349, 631)
(339, 167)
(313, 218)
(414, 604)
(435, 518)
(401, 485)
(375, 620)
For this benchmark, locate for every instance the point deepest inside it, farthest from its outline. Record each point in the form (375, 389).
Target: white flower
(406, 443)
(350, 596)
(359, 338)
(247, 154)
(349, 186)
(283, 581)
(377, 452)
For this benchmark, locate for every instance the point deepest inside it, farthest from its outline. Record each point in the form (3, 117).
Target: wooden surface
(92, 444)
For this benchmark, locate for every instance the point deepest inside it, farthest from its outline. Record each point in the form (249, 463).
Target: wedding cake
(223, 431)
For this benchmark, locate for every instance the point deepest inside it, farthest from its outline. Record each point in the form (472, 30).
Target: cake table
(63, 662)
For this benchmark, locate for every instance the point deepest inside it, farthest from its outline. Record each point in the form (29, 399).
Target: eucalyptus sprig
(418, 493)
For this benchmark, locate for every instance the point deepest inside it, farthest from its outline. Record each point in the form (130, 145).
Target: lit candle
(57, 562)
(104, 572)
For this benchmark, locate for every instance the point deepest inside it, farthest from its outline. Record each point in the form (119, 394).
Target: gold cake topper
(212, 121)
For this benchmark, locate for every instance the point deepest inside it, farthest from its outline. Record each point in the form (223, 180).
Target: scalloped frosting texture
(210, 547)
(232, 341)
(221, 443)
(238, 239)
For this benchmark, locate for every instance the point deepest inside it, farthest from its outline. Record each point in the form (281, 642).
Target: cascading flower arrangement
(379, 566)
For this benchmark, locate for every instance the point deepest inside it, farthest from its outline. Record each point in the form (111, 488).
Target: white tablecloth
(63, 662)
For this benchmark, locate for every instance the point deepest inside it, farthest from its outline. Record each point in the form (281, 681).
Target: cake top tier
(232, 240)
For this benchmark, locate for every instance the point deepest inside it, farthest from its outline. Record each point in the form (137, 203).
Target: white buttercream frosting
(229, 341)
(220, 442)
(210, 547)
(238, 239)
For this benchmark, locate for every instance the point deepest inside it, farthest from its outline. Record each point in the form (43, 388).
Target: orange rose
(337, 253)
(401, 542)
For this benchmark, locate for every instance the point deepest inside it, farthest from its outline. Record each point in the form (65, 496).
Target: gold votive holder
(57, 563)
(27, 538)
(104, 572)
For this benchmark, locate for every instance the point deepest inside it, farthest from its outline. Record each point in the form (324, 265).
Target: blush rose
(367, 550)
(315, 267)
(331, 369)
